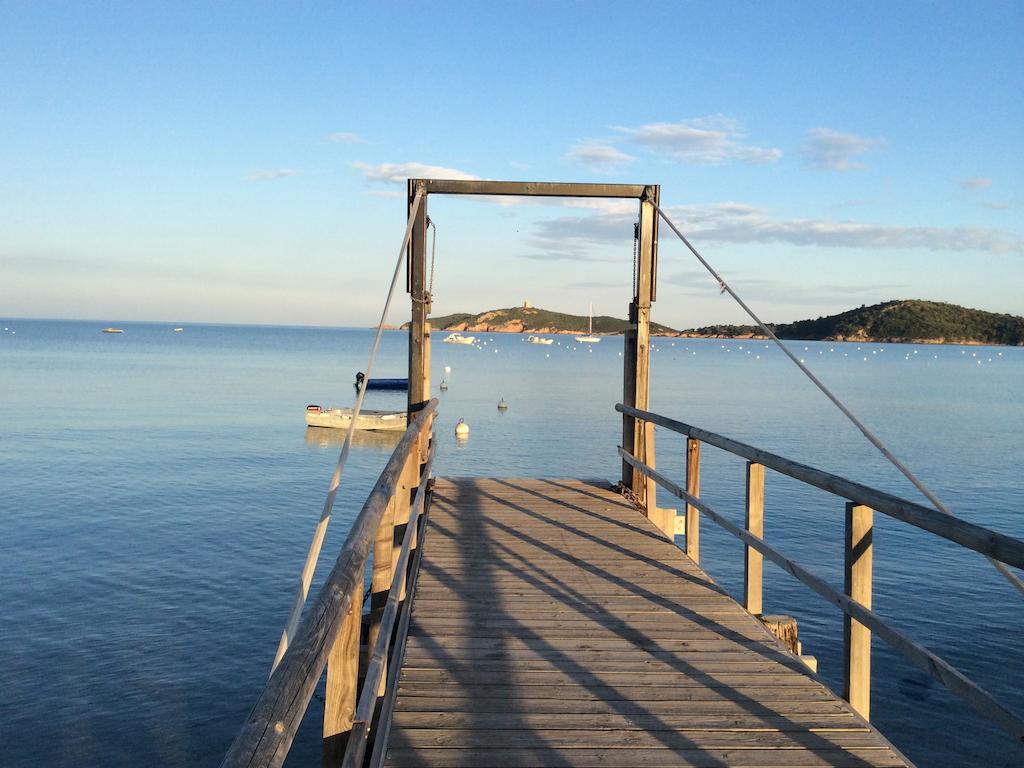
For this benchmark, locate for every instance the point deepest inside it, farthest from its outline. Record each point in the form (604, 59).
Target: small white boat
(178, 330)
(458, 338)
(341, 418)
(111, 330)
(590, 338)
(540, 340)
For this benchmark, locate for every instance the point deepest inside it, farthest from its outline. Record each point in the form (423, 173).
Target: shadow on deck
(553, 625)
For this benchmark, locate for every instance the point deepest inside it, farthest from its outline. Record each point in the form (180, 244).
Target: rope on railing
(978, 698)
(309, 567)
(872, 438)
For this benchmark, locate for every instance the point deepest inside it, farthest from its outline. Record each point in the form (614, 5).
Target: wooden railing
(329, 635)
(859, 620)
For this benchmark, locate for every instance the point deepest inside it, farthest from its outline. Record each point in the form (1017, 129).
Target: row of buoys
(462, 428)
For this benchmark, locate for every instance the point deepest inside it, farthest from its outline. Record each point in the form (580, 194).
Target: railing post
(380, 582)
(342, 681)
(857, 637)
(407, 483)
(754, 561)
(637, 436)
(693, 488)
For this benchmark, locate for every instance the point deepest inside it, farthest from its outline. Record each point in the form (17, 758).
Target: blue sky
(243, 162)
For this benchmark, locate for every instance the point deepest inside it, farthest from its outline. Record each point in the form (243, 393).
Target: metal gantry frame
(637, 435)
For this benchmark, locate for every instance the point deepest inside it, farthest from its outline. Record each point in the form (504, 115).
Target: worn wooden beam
(630, 477)
(857, 637)
(376, 673)
(528, 188)
(269, 729)
(693, 488)
(753, 565)
(407, 483)
(380, 580)
(340, 694)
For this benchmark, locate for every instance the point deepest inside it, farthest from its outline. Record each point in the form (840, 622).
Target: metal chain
(433, 255)
(636, 238)
(429, 297)
(625, 491)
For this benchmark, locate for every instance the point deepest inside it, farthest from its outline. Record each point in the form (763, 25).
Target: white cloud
(598, 155)
(346, 137)
(578, 236)
(976, 183)
(828, 150)
(280, 173)
(581, 238)
(701, 283)
(714, 139)
(733, 223)
(398, 173)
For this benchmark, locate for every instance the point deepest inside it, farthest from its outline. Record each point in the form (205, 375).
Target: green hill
(534, 320)
(909, 320)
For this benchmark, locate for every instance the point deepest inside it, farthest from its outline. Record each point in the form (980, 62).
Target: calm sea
(158, 491)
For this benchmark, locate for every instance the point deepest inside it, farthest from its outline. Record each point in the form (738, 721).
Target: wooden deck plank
(552, 624)
(500, 757)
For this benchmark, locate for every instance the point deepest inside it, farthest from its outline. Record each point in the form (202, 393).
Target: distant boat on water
(540, 340)
(396, 384)
(341, 418)
(458, 338)
(590, 338)
(178, 330)
(111, 330)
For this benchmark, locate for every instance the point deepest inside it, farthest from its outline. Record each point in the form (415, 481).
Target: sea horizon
(160, 497)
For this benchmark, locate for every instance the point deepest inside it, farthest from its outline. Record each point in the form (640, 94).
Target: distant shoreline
(904, 321)
(762, 337)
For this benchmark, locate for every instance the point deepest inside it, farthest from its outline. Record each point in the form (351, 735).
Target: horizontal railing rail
(330, 628)
(859, 619)
(996, 545)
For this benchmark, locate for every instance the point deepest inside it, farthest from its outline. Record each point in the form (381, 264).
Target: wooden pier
(553, 624)
(538, 622)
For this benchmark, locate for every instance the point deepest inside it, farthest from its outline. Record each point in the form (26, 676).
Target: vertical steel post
(416, 284)
(638, 436)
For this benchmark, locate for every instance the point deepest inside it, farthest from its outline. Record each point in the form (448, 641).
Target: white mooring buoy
(462, 429)
(447, 370)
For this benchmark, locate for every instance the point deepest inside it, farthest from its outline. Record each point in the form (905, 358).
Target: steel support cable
(309, 567)
(872, 438)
